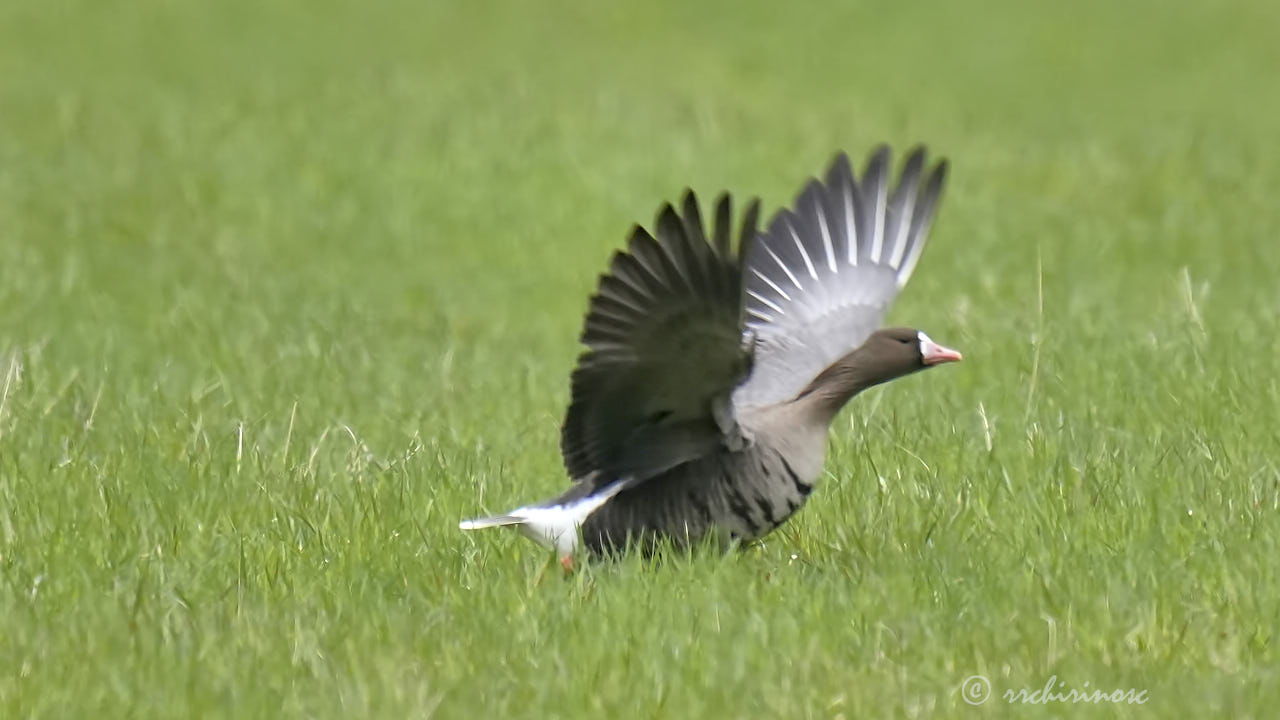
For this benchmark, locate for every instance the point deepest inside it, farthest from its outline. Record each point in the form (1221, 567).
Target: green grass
(288, 288)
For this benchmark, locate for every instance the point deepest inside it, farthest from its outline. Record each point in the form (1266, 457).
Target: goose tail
(493, 521)
(554, 524)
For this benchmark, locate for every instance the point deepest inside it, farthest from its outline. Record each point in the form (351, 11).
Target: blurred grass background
(288, 288)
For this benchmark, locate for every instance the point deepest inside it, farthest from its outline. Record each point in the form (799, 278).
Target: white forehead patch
(925, 340)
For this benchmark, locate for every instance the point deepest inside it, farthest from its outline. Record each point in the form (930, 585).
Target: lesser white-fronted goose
(711, 377)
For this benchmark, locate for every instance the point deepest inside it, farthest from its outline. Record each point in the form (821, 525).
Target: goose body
(740, 494)
(702, 404)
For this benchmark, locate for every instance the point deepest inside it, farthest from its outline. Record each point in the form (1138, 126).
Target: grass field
(288, 288)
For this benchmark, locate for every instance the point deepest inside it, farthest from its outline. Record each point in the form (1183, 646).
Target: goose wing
(820, 278)
(664, 350)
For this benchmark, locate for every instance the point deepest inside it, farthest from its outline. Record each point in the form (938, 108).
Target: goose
(701, 405)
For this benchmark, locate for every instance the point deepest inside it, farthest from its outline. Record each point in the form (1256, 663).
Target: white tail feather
(488, 522)
(554, 526)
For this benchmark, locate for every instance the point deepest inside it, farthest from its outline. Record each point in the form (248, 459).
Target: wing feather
(664, 346)
(820, 278)
(875, 186)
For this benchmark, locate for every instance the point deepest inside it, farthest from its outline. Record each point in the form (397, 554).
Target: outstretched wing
(820, 279)
(665, 348)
